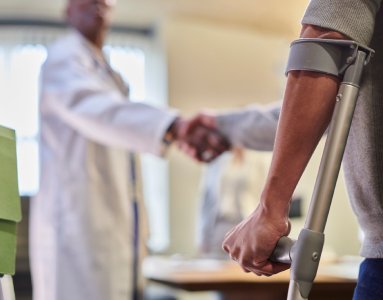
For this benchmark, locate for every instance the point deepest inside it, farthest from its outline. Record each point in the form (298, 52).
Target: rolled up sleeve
(253, 127)
(353, 18)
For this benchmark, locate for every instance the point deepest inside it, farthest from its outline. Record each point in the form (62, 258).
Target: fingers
(190, 126)
(217, 142)
(213, 146)
(209, 155)
(264, 268)
(208, 120)
(252, 241)
(189, 150)
(206, 156)
(210, 144)
(243, 258)
(199, 142)
(270, 269)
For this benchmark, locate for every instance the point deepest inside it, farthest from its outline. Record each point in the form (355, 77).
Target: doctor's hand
(252, 241)
(202, 143)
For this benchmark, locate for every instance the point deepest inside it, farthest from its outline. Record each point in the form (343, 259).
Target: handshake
(199, 138)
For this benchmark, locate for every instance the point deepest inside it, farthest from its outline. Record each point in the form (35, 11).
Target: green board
(10, 207)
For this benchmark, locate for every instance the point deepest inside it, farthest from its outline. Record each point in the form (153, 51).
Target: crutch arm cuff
(326, 56)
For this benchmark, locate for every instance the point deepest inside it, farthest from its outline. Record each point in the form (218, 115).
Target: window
(19, 73)
(130, 63)
(22, 52)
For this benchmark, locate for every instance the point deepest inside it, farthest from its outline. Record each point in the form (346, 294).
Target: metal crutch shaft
(304, 254)
(335, 146)
(305, 266)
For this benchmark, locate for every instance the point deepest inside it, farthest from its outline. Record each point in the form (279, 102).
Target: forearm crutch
(346, 60)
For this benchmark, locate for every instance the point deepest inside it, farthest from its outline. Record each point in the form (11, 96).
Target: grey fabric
(253, 127)
(354, 18)
(363, 160)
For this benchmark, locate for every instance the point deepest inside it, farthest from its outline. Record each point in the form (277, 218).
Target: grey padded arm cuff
(353, 18)
(253, 127)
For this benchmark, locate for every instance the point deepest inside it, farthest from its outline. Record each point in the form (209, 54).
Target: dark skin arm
(307, 109)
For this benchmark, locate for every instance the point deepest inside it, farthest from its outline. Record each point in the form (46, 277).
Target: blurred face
(90, 16)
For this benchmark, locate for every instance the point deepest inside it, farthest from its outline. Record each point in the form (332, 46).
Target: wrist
(174, 131)
(276, 199)
(278, 218)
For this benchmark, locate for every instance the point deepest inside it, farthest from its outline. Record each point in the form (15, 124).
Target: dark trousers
(370, 281)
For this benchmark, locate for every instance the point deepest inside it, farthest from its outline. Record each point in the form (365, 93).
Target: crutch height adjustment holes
(315, 256)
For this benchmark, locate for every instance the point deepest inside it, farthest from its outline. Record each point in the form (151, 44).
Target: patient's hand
(253, 240)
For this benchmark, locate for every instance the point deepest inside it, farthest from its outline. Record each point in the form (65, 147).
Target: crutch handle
(283, 251)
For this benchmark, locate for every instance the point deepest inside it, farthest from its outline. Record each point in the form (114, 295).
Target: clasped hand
(199, 138)
(253, 240)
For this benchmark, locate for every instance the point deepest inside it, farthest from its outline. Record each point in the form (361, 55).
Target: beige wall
(211, 65)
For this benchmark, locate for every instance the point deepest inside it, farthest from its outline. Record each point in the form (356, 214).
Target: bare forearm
(306, 113)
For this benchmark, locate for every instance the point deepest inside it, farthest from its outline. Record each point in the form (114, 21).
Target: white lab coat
(81, 228)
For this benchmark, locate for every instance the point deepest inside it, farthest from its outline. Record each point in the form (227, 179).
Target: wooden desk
(231, 283)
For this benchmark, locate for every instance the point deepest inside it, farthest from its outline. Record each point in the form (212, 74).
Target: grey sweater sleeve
(353, 18)
(253, 127)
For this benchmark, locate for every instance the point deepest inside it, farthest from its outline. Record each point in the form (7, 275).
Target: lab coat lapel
(142, 231)
(101, 64)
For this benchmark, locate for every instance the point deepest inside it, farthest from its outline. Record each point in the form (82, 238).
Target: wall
(272, 15)
(47, 9)
(216, 66)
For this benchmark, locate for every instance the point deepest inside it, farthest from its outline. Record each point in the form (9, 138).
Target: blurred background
(188, 54)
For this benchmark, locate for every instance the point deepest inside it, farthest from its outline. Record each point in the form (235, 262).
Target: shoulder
(66, 49)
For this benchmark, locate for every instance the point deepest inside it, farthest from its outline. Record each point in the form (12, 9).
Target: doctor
(82, 220)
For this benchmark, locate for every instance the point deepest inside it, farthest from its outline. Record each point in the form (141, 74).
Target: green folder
(10, 207)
